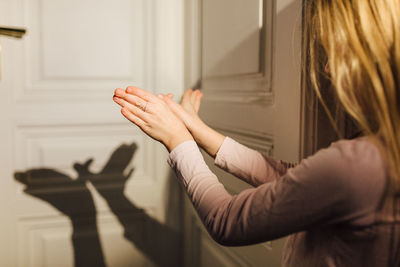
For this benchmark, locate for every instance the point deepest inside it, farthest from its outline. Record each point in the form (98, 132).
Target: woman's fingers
(152, 115)
(133, 99)
(138, 102)
(193, 97)
(135, 119)
(149, 97)
(198, 101)
(132, 108)
(119, 92)
(186, 96)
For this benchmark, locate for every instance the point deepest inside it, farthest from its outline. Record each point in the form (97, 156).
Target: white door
(56, 112)
(246, 55)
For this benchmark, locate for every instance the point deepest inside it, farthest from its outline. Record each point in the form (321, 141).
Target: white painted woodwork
(236, 51)
(245, 55)
(56, 109)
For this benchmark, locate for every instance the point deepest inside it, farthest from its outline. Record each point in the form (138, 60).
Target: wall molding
(262, 142)
(255, 88)
(39, 85)
(35, 232)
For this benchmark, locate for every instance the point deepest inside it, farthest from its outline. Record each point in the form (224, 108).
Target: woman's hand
(188, 109)
(191, 101)
(209, 139)
(151, 114)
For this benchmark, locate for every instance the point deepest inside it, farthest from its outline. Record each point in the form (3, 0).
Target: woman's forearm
(206, 137)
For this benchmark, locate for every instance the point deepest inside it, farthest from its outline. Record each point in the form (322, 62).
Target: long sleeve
(333, 186)
(249, 165)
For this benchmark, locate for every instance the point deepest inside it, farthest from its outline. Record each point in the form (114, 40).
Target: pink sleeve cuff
(222, 156)
(180, 150)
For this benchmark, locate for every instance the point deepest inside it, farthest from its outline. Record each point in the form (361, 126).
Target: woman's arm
(245, 163)
(248, 164)
(324, 189)
(341, 184)
(170, 123)
(206, 137)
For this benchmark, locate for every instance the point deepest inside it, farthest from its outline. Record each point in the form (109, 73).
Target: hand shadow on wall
(159, 242)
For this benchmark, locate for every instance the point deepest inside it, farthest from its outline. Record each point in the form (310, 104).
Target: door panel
(59, 208)
(236, 52)
(245, 56)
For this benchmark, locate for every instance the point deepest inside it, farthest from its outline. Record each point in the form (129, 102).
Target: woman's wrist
(193, 123)
(206, 137)
(176, 140)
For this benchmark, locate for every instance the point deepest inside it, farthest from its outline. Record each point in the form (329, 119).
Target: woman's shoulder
(362, 149)
(351, 171)
(346, 164)
(350, 155)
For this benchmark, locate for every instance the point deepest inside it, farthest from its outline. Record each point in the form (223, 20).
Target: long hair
(359, 41)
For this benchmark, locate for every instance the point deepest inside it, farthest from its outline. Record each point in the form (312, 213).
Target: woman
(340, 206)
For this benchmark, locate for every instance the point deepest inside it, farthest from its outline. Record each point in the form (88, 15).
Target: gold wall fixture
(12, 32)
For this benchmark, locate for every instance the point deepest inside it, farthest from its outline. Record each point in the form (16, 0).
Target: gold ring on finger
(142, 107)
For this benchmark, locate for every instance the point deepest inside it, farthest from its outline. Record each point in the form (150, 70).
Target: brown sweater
(330, 203)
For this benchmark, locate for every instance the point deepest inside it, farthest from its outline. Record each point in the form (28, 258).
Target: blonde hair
(360, 42)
